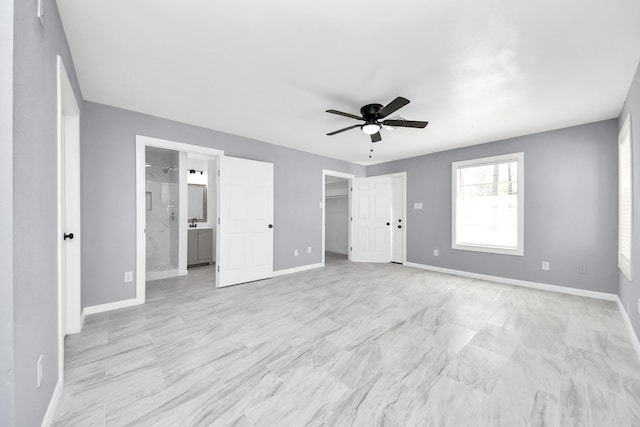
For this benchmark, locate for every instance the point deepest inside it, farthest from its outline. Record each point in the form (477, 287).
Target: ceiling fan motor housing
(370, 112)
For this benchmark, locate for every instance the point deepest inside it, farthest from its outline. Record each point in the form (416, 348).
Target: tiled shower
(162, 197)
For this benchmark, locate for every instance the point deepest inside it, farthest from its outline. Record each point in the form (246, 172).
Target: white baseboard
(297, 269)
(627, 321)
(110, 306)
(53, 404)
(517, 282)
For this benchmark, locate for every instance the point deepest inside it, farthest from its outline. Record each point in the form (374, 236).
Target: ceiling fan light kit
(372, 115)
(370, 128)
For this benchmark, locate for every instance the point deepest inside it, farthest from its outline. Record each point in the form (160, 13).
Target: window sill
(489, 249)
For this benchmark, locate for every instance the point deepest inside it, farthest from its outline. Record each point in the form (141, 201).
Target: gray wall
(108, 194)
(6, 213)
(630, 291)
(35, 204)
(570, 208)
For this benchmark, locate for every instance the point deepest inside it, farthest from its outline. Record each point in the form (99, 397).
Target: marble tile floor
(352, 344)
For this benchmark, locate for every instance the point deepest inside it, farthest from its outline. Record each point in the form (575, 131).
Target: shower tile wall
(162, 219)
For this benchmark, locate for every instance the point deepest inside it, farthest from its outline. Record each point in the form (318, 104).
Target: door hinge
(218, 172)
(218, 269)
(351, 218)
(352, 189)
(351, 248)
(218, 220)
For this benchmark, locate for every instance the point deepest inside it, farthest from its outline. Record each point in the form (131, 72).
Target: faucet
(193, 222)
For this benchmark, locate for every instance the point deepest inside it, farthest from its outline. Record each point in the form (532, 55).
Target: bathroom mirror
(197, 203)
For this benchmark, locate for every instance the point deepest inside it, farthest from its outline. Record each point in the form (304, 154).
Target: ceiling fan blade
(342, 130)
(376, 137)
(340, 113)
(405, 123)
(394, 105)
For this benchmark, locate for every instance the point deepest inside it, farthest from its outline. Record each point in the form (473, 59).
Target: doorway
(180, 203)
(241, 199)
(335, 204)
(162, 208)
(376, 220)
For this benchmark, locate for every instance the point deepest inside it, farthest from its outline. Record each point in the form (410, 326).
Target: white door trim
(141, 143)
(325, 173)
(404, 211)
(68, 133)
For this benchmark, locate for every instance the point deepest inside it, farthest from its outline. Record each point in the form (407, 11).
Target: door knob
(399, 226)
(388, 223)
(68, 236)
(270, 225)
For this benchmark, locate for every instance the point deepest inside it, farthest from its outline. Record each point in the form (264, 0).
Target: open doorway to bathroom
(172, 217)
(181, 213)
(163, 179)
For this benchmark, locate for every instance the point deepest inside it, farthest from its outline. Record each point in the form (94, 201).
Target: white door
(65, 230)
(371, 219)
(397, 226)
(69, 205)
(246, 221)
(70, 218)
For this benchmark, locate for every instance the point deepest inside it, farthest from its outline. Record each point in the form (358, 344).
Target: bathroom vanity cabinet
(200, 246)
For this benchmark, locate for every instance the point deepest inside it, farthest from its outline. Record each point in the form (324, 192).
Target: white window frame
(625, 152)
(519, 250)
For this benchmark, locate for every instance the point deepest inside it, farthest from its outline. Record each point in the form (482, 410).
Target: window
(488, 204)
(625, 198)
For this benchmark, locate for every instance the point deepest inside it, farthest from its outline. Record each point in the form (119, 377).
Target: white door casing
(140, 278)
(371, 219)
(246, 224)
(397, 223)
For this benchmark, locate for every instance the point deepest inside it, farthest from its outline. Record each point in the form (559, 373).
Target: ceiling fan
(372, 114)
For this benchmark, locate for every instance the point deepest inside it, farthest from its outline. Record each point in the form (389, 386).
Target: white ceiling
(478, 71)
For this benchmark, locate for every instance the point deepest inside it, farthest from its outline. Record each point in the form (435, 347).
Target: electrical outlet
(545, 265)
(436, 252)
(39, 371)
(417, 206)
(295, 252)
(128, 276)
(309, 250)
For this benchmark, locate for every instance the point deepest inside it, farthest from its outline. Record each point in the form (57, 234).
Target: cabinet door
(192, 247)
(205, 245)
